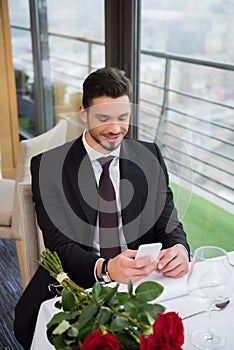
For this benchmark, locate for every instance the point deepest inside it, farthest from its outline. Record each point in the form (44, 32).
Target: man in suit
(66, 186)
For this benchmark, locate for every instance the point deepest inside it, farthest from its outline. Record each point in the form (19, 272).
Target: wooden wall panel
(8, 105)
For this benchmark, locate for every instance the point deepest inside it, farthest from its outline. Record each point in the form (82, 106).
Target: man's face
(107, 122)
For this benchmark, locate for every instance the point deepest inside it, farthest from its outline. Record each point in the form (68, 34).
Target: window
(76, 47)
(183, 76)
(186, 103)
(23, 64)
(66, 47)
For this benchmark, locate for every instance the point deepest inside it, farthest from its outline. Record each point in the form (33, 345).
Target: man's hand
(173, 262)
(123, 267)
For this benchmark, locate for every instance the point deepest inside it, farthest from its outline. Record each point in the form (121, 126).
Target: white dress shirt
(115, 178)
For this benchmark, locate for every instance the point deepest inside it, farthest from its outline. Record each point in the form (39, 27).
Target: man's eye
(103, 119)
(123, 118)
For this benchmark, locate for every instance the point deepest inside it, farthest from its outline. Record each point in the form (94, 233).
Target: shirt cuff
(95, 270)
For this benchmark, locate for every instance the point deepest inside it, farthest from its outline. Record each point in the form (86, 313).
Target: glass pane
(191, 109)
(193, 28)
(76, 47)
(23, 65)
(84, 19)
(19, 13)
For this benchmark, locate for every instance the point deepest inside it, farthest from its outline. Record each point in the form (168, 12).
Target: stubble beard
(111, 146)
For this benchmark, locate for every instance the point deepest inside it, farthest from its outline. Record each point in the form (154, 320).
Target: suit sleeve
(168, 229)
(77, 261)
(168, 225)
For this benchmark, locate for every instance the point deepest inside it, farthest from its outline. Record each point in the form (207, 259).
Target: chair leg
(21, 262)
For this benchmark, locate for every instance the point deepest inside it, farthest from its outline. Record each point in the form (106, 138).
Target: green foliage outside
(205, 223)
(24, 123)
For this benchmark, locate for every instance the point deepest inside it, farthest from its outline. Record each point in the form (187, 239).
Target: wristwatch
(104, 273)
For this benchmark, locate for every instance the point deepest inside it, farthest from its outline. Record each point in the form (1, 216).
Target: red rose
(97, 341)
(151, 343)
(168, 329)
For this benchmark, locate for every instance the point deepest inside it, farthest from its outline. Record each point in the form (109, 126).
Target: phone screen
(151, 249)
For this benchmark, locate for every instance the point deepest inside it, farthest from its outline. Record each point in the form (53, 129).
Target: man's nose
(114, 128)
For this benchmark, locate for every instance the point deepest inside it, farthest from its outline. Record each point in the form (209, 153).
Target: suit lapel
(79, 172)
(133, 187)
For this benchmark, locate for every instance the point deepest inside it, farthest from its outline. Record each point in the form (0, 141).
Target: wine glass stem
(208, 334)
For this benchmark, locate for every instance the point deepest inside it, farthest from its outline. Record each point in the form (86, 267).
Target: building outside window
(187, 105)
(67, 47)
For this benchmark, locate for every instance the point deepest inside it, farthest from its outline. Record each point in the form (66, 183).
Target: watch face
(105, 278)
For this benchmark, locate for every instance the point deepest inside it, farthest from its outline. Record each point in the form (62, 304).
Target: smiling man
(106, 123)
(98, 198)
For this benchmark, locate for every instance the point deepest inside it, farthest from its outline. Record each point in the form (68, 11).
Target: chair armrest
(29, 231)
(7, 189)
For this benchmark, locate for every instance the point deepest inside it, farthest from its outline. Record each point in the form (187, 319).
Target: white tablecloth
(174, 298)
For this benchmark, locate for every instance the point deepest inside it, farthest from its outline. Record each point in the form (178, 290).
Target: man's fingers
(123, 267)
(166, 258)
(178, 272)
(173, 262)
(129, 253)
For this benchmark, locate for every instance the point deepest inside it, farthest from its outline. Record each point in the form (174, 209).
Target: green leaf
(131, 308)
(118, 299)
(72, 332)
(84, 332)
(130, 287)
(68, 300)
(107, 293)
(62, 327)
(57, 318)
(70, 342)
(126, 341)
(122, 297)
(153, 309)
(104, 315)
(148, 291)
(143, 318)
(118, 324)
(96, 290)
(86, 315)
(58, 343)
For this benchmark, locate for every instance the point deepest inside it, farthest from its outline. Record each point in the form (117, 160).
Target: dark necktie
(108, 217)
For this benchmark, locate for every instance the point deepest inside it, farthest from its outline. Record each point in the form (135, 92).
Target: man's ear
(83, 114)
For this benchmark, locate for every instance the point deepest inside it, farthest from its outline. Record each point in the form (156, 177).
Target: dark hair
(108, 81)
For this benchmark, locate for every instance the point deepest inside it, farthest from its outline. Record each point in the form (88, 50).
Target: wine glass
(209, 278)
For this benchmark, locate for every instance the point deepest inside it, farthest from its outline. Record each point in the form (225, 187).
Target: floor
(10, 291)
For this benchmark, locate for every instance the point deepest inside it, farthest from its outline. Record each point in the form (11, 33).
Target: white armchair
(30, 233)
(9, 203)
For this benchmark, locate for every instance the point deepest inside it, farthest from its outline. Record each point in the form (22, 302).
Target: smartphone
(151, 249)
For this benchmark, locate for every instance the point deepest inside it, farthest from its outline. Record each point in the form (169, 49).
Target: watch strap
(104, 273)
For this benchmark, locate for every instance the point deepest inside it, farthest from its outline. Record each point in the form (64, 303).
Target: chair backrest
(31, 236)
(38, 144)
(27, 149)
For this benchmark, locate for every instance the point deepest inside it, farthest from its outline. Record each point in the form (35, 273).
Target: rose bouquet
(107, 319)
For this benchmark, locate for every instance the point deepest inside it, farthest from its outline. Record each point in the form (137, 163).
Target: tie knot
(105, 162)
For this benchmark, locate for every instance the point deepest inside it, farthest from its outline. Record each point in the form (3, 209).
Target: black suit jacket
(66, 200)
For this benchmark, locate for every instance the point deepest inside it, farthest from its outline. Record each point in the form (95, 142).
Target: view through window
(73, 47)
(186, 94)
(187, 105)
(76, 48)
(23, 63)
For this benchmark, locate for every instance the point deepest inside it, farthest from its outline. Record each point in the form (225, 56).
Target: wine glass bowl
(209, 279)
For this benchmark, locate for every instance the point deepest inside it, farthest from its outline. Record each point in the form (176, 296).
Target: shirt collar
(93, 154)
